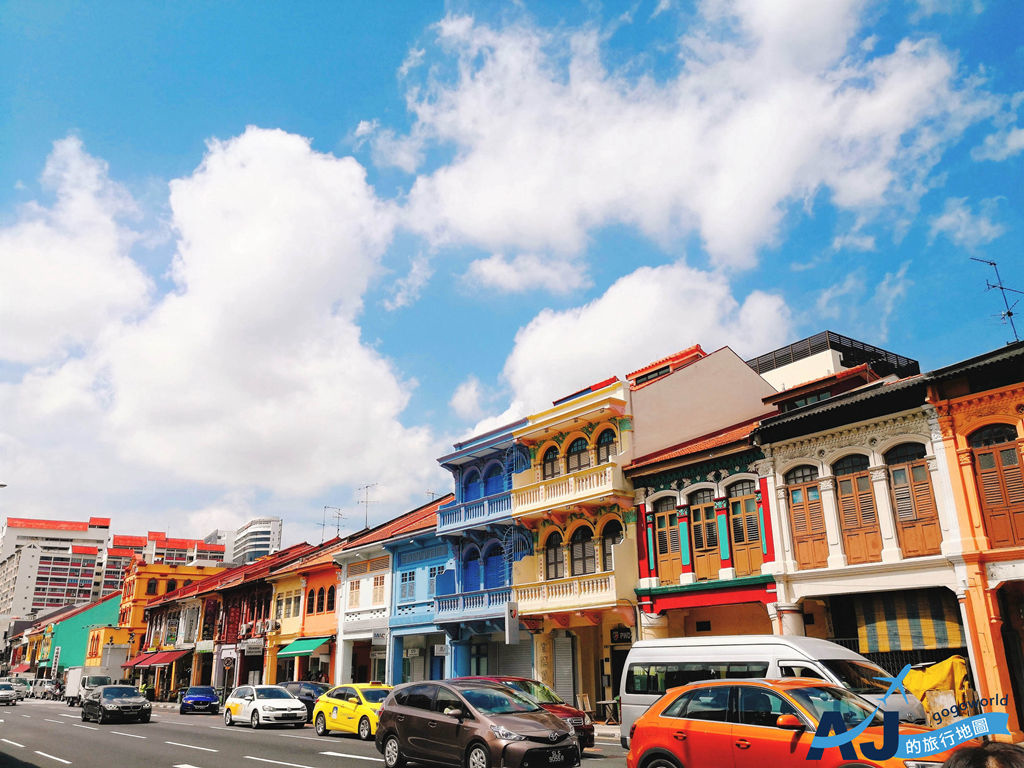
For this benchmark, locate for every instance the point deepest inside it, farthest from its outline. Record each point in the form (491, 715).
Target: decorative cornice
(817, 446)
(712, 470)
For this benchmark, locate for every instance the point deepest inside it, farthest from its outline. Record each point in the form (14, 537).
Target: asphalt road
(49, 734)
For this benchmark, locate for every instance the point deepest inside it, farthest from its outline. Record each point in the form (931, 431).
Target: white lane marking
(185, 765)
(64, 715)
(308, 738)
(354, 757)
(58, 759)
(190, 746)
(8, 741)
(221, 728)
(26, 715)
(133, 735)
(59, 722)
(79, 725)
(277, 762)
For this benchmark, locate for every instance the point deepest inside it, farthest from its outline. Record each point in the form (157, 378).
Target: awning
(165, 658)
(20, 668)
(895, 621)
(43, 664)
(138, 661)
(304, 646)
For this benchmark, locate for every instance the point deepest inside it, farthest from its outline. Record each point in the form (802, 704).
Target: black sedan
(307, 692)
(116, 702)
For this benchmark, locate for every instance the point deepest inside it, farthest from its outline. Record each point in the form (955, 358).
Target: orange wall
(325, 623)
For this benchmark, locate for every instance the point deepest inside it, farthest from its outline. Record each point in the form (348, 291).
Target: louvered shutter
(989, 481)
(848, 505)
(1012, 475)
(924, 497)
(494, 571)
(866, 500)
(471, 576)
(698, 529)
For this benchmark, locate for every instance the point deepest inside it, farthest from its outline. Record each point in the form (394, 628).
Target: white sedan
(263, 705)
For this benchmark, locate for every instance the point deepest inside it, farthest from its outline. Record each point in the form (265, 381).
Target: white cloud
(642, 317)
(828, 305)
(661, 7)
(66, 268)
(890, 292)
(528, 272)
(365, 128)
(853, 241)
(391, 150)
(407, 289)
(466, 399)
(1000, 145)
(927, 8)
(965, 228)
(549, 145)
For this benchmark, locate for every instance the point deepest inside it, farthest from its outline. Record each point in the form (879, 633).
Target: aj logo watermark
(832, 731)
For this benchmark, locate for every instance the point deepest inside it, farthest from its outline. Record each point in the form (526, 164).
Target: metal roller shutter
(517, 660)
(565, 678)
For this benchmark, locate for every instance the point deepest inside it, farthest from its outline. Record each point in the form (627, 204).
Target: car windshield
(6, 687)
(851, 707)
(858, 676)
(536, 691)
(273, 693)
(497, 701)
(320, 688)
(118, 691)
(99, 680)
(200, 690)
(374, 695)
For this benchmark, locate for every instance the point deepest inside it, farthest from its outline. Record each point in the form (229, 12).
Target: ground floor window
(478, 654)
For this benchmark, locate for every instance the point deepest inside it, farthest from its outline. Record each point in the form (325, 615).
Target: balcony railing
(412, 613)
(472, 605)
(575, 592)
(368, 618)
(565, 489)
(476, 512)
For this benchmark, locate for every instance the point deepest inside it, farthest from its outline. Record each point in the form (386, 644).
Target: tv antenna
(433, 494)
(338, 515)
(1007, 314)
(365, 490)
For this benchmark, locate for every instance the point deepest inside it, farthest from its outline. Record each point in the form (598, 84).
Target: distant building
(155, 547)
(258, 537)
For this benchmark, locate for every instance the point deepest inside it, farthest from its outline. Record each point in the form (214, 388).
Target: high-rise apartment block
(258, 537)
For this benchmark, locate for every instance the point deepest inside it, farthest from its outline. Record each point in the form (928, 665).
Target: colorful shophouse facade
(474, 597)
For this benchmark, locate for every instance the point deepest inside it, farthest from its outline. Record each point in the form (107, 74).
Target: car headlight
(921, 764)
(146, 705)
(505, 734)
(586, 719)
(110, 706)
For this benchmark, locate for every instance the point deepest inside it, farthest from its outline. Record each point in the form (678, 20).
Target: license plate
(555, 756)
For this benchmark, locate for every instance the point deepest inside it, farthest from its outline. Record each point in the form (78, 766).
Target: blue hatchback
(200, 698)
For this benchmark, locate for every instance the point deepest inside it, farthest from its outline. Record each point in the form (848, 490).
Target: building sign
(380, 637)
(204, 646)
(56, 662)
(511, 623)
(441, 649)
(411, 653)
(253, 646)
(378, 654)
(621, 634)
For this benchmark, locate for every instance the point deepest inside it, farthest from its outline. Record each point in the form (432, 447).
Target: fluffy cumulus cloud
(642, 317)
(527, 272)
(466, 399)
(67, 270)
(773, 103)
(963, 226)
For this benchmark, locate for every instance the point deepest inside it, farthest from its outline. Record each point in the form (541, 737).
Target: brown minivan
(472, 724)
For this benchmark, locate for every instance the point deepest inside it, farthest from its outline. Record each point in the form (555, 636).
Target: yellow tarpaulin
(948, 675)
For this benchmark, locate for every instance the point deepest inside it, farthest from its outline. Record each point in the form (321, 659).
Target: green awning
(304, 646)
(43, 664)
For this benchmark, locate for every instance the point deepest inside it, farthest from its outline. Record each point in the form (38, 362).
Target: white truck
(81, 680)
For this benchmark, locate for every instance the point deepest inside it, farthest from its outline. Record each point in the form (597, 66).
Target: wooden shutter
(862, 540)
(1001, 487)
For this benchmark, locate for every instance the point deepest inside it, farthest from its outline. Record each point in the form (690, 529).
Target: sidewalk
(607, 732)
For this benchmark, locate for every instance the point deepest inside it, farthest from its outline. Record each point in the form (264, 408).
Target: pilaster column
(544, 659)
(726, 570)
(830, 510)
(686, 574)
(786, 618)
(891, 551)
(785, 539)
(653, 626)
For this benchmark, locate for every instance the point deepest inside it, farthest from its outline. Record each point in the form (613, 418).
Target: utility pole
(365, 490)
(1007, 314)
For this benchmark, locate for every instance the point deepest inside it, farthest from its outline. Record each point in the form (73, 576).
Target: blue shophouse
(475, 596)
(418, 648)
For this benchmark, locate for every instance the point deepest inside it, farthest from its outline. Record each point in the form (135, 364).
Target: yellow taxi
(350, 708)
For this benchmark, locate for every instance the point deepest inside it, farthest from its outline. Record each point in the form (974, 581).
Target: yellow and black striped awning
(907, 621)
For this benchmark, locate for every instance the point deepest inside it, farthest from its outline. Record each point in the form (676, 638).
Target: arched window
(583, 554)
(862, 540)
(910, 486)
(577, 457)
(550, 468)
(320, 595)
(472, 488)
(330, 599)
(806, 517)
(610, 536)
(554, 563)
(471, 571)
(151, 587)
(171, 585)
(494, 568)
(606, 447)
(310, 601)
(1000, 483)
(494, 481)
(707, 558)
(745, 528)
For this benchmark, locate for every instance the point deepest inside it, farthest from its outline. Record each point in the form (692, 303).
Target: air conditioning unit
(261, 627)
(277, 624)
(243, 628)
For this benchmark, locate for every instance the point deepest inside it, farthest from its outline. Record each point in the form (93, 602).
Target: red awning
(138, 660)
(20, 668)
(165, 658)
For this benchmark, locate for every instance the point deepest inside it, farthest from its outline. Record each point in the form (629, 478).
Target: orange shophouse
(980, 409)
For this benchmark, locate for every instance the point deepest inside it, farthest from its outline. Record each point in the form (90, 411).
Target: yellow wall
(740, 619)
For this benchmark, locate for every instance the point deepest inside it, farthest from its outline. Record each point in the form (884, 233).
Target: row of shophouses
(827, 488)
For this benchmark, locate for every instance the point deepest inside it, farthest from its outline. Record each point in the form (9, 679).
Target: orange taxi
(755, 724)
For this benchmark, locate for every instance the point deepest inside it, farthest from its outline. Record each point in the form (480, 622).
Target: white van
(654, 666)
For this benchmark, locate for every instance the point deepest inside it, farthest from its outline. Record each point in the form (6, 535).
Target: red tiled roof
(119, 552)
(129, 541)
(49, 525)
(79, 549)
(677, 360)
(323, 555)
(700, 444)
(156, 535)
(419, 519)
(99, 522)
(67, 613)
(256, 569)
(210, 547)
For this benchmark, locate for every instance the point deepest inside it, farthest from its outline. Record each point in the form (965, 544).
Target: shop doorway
(618, 664)
(1011, 608)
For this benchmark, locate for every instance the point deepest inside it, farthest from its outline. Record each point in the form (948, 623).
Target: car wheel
(364, 729)
(320, 725)
(84, 718)
(659, 761)
(478, 757)
(227, 717)
(181, 710)
(101, 718)
(392, 755)
(144, 719)
(255, 719)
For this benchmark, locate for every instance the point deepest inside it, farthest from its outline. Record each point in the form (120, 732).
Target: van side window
(657, 678)
(746, 670)
(798, 670)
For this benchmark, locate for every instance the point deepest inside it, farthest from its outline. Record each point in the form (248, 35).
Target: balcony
(412, 613)
(487, 604)
(479, 512)
(590, 484)
(595, 590)
(365, 620)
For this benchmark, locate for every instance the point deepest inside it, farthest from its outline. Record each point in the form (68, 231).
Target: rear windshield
(858, 676)
(658, 677)
(97, 680)
(498, 701)
(374, 695)
(273, 693)
(536, 691)
(119, 691)
(200, 691)
(6, 687)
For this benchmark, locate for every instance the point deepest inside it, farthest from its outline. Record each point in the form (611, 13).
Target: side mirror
(353, 700)
(453, 712)
(791, 722)
(250, 697)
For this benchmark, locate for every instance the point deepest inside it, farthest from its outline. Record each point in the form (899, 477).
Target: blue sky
(258, 255)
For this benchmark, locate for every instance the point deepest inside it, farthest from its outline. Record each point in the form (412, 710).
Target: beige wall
(742, 619)
(715, 392)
